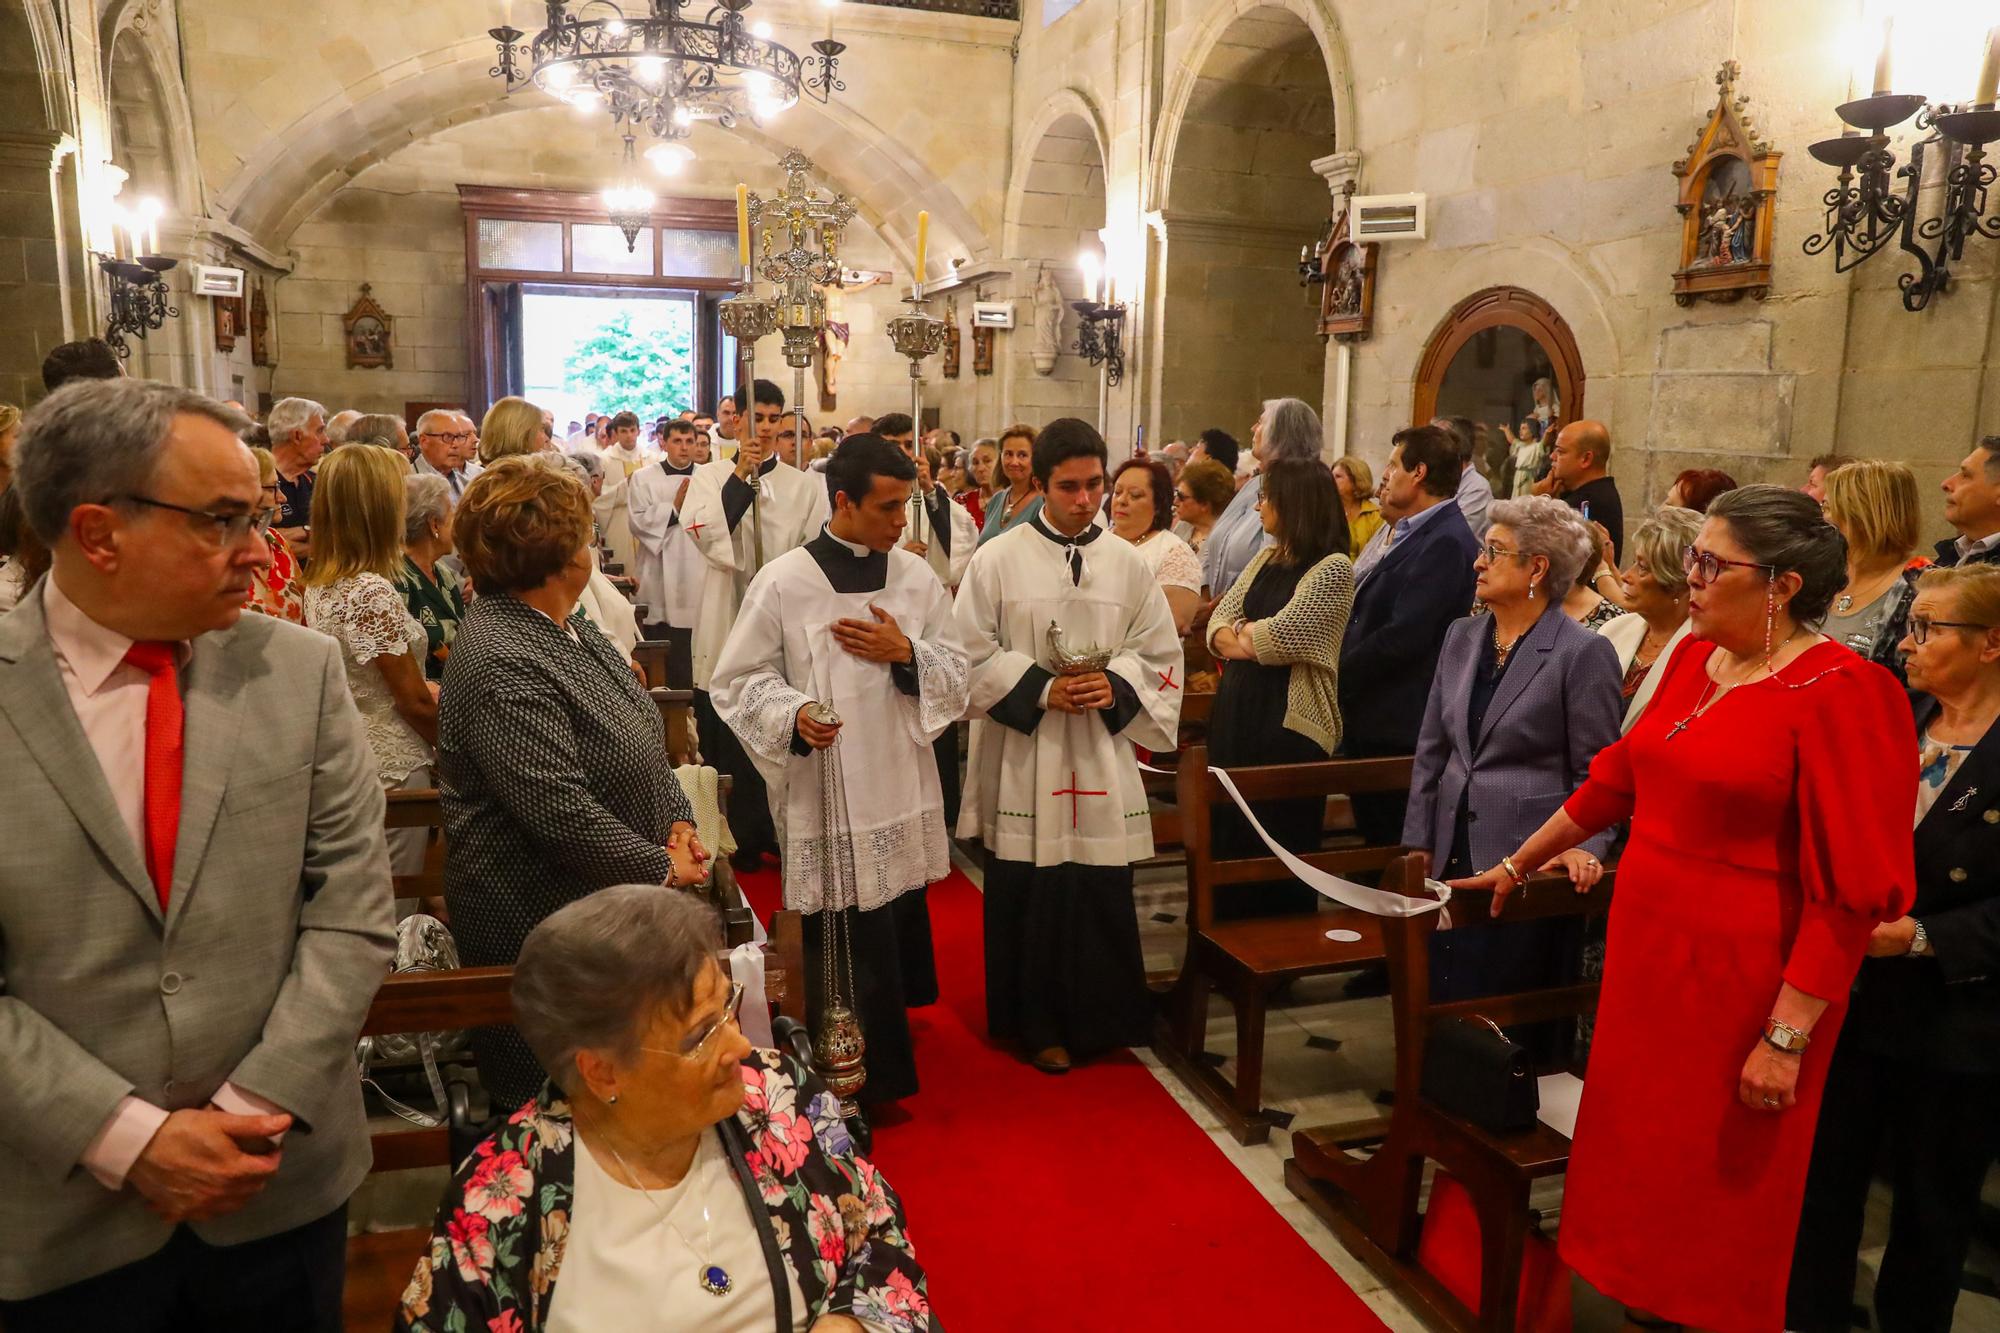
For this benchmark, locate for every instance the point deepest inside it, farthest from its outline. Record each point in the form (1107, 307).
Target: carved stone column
(35, 258)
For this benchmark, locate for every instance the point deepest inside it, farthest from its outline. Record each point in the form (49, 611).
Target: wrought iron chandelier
(663, 70)
(1873, 202)
(629, 202)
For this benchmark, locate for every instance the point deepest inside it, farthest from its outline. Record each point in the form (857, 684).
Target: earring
(1770, 616)
(1531, 592)
(612, 1100)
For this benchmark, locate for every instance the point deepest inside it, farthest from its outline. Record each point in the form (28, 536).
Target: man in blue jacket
(1408, 596)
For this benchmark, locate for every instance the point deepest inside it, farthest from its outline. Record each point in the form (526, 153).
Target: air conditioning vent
(1389, 217)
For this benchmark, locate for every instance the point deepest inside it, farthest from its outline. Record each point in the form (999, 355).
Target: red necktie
(163, 759)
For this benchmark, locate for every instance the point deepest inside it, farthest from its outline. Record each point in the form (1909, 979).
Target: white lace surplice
(369, 618)
(782, 655)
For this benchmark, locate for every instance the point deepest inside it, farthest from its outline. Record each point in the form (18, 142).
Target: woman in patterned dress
(350, 594)
(551, 756)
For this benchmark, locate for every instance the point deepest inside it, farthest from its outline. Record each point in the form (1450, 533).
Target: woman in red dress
(1769, 788)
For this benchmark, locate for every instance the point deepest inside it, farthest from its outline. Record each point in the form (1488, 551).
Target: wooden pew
(1372, 1204)
(1248, 960)
(419, 808)
(379, 1263)
(677, 715)
(651, 655)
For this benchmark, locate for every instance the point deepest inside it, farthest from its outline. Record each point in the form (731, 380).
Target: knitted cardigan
(1306, 636)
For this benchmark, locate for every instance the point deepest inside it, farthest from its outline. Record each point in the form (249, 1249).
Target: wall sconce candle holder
(1867, 208)
(139, 292)
(1100, 336)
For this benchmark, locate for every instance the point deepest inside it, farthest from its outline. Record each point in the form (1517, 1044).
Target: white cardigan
(1626, 633)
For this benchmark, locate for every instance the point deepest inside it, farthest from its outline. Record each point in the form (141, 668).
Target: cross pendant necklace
(1701, 706)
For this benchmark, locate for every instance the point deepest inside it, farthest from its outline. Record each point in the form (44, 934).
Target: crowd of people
(228, 639)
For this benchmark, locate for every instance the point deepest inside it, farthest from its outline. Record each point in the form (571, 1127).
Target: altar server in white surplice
(624, 458)
(739, 529)
(852, 620)
(1054, 790)
(940, 529)
(670, 568)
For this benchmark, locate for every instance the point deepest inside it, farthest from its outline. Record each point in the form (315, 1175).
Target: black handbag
(1473, 1071)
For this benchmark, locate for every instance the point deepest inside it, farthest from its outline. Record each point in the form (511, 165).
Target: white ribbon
(746, 968)
(1375, 902)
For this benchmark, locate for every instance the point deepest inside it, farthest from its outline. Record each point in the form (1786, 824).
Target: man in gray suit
(194, 894)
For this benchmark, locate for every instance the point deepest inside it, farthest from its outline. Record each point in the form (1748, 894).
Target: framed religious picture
(1728, 202)
(982, 351)
(229, 321)
(260, 327)
(951, 335)
(1347, 294)
(370, 334)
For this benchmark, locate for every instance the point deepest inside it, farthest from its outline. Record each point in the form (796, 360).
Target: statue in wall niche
(1728, 203)
(1048, 321)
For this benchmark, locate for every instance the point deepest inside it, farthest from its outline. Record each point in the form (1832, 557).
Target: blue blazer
(1557, 705)
(1401, 612)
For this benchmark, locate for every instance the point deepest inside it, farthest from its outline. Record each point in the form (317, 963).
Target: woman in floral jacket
(618, 1188)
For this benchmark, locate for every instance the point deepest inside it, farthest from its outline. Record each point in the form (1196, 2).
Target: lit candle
(923, 243)
(742, 225)
(1882, 81)
(1989, 72)
(153, 235)
(1088, 262)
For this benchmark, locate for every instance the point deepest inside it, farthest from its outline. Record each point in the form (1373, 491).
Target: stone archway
(1055, 209)
(1239, 197)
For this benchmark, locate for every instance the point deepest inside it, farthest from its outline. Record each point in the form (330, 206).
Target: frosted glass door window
(698, 254)
(529, 247)
(597, 248)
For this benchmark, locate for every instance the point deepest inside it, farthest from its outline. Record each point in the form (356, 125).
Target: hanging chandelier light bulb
(669, 158)
(659, 69)
(629, 202)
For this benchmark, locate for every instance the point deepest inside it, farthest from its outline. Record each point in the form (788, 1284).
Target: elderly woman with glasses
(1915, 1081)
(669, 1174)
(1523, 699)
(1769, 792)
(1654, 590)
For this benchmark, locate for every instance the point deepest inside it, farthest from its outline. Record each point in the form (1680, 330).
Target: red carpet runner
(1083, 1202)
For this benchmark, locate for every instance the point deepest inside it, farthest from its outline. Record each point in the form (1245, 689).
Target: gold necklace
(1502, 651)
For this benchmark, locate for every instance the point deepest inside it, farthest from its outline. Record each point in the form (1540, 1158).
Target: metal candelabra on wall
(1873, 202)
(138, 289)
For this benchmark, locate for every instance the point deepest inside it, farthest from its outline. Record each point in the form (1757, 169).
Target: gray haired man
(444, 439)
(298, 437)
(194, 903)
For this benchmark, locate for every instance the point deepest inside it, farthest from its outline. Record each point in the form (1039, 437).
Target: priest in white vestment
(670, 568)
(1053, 791)
(852, 621)
(624, 458)
(739, 528)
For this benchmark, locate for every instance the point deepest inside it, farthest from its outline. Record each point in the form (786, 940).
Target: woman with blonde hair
(512, 426)
(1357, 500)
(10, 426)
(1874, 503)
(350, 595)
(276, 591)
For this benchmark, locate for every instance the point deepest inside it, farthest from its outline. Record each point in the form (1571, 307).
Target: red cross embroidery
(1073, 792)
(694, 529)
(1167, 679)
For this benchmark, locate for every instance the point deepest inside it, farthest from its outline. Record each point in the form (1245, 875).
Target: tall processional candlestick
(918, 335)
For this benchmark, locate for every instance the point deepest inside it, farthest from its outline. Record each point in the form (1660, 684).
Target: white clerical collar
(855, 549)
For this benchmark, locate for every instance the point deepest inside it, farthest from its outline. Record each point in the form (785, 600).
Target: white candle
(1989, 71)
(1882, 80)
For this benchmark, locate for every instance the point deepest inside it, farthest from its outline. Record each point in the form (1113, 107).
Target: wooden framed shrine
(1728, 203)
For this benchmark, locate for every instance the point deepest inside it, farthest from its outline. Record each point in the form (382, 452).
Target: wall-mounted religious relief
(951, 338)
(982, 351)
(1728, 201)
(229, 321)
(370, 334)
(1347, 295)
(260, 327)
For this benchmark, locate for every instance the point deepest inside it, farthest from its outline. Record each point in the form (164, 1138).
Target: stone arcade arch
(1055, 208)
(1238, 196)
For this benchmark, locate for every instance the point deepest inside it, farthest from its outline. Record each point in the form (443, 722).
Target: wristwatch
(1784, 1037)
(1920, 940)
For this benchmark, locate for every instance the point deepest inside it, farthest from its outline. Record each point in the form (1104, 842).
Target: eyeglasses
(457, 437)
(696, 1047)
(1921, 627)
(1709, 566)
(222, 529)
(1183, 495)
(1492, 553)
